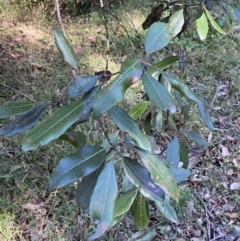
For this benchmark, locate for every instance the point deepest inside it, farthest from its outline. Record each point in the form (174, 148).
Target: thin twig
(59, 17)
(107, 35)
(216, 238)
(215, 96)
(104, 132)
(128, 16)
(135, 51)
(18, 92)
(208, 221)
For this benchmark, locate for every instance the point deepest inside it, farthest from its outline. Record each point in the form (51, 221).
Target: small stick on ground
(215, 96)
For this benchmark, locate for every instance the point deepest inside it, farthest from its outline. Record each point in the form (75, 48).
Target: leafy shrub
(126, 170)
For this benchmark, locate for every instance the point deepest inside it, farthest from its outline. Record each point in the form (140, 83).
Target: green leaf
(160, 174)
(65, 48)
(163, 64)
(87, 101)
(213, 22)
(147, 124)
(181, 87)
(113, 137)
(106, 98)
(155, 148)
(85, 189)
(183, 154)
(24, 121)
(194, 136)
(76, 138)
(167, 210)
(126, 184)
(141, 212)
(205, 116)
(202, 25)
(159, 120)
(124, 203)
(144, 235)
(175, 23)
(158, 94)
(141, 178)
(14, 108)
(103, 201)
(157, 37)
(127, 124)
(173, 152)
(179, 174)
(179, 100)
(53, 127)
(237, 14)
(209, 4)
(77, 165)
(81, 85)
(138, 109)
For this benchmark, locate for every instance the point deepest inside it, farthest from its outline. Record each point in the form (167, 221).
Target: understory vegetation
(192, 127)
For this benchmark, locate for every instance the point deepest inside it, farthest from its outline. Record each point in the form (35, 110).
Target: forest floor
(31, 68)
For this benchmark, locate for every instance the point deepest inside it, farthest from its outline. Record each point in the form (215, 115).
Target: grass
(31, 67)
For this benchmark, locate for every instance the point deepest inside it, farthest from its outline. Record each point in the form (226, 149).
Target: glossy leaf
(160, 174)
(127, 124)
(205, 116)
(155, 148)
(179, 100)
(24, 121)
(141, 178)
(173, 152)
(158, 94)
(209, 4)
(81, 85)
(237, 14)
(103, 201)
(163, 64)
(147, 124)
(184, 155)
(87, 101)
(157, 37)
(115, 220)
(65, 48)
(113, 137)
(53, 127)
(175, 23)
(126, 184)
(179, 174)
(213, 22)
(108, 97)
(14, 108)
(194, 136)
(85, 189)
(77, 165)
(167, 210)
(181, 87)
(124, 203)
(138, 109)
(159, 120)
(202, 26)
(76, 138)
(140, 212)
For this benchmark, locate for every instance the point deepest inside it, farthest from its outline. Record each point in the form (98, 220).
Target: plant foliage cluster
(126, 170)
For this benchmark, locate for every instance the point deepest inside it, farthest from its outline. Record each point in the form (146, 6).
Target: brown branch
(59, 17)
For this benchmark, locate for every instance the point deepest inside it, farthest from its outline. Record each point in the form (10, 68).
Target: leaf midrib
(82, 162)
(51, 127)
(150, 163)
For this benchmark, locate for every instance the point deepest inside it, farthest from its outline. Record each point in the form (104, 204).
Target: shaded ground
(32, 68)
